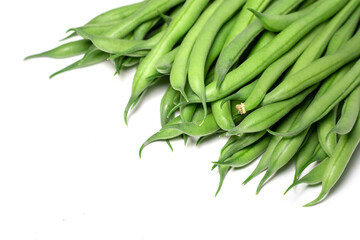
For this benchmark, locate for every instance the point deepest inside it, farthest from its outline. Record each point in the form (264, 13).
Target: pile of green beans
(279, 78)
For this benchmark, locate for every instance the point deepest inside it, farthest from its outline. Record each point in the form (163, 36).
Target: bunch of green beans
(279, 78)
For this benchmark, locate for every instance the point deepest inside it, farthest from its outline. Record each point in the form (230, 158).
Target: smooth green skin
(349, 113)
(203, 43)
(313, 177)
(315, 73)
(242, 94)
(306, 152)
(112, 15)
(266, 116)
(89, 59)
(164, 64)
(121, 47)
(232, 52)
(170, 98)
(318, 46)
(146, 12)
(98, 29)
(223, 115)
(246, 155)
(219, 43)
(265, 38)
(306, 71)
(117, 13)
(178, 27)
(168, 101)
(325, 103)
(285, 125)
(344, 33)
(242, 142)
(141, 31)
(275, 70)
(277, 23)
(173, 130)
(66, 50)
(284, 151)
(223, 170)
(305, 4)
(282, 43)
(245, 17)
(318, 156)
(338, 161)
(130, 62)
(178, 75)
(327, 139)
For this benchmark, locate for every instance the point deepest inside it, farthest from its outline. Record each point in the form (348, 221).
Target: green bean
(266, 116)
(338, 161)
(164, 64)
(349, 113)
(246, 155)
(130, 62)
(245, 17)
(242, 94)
(186, 113)
(219, 43)
(176, 30)
(318, 156)
(178, 75)
(222, 114)
(306, 4)
(148, 11)
(223, 170)
(111, 16)
(317, 47)
(324, 104)
(265, 38)
(283, 153)
(305, 153)
(66, 50)
(232, 52)
(283, 42)
(316, 71)
(121, 47)
(243, 141)
(117, 13)
(285, 125)
(327, 139)
(89, 59)
(313, 177)
(141, 31)
(203, 44)
(98, 29)
(275, 70)
(277, 23)
(167, 102)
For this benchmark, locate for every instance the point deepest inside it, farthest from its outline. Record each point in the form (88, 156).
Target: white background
(69, 167)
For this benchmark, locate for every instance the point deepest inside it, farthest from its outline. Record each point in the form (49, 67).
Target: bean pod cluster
(279, 79)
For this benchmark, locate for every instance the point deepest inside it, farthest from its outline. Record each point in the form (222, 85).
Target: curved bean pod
(141, 31)
(203, 44)
(277, 23)
(232, 52)
(246, 155)
(178, 75)
(328, 139)
(164, 64)
(275, 70)
(285, 125)
(305, 152)
(178, 27)
(313, 177)
(324, 104)
(338, 162)
(66, 50)
(242, 94)
(284, 151)
(316, 72)
(222, 114)
(266, 116)
(349, 113)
